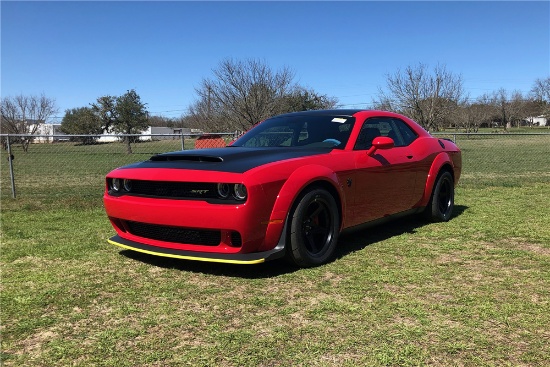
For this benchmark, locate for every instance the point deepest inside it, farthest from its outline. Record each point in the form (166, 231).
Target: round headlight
(115, 184)
(239, 192)
(127, 185)
(223, 190)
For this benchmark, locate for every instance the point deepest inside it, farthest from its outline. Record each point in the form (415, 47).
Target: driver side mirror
(381, 142)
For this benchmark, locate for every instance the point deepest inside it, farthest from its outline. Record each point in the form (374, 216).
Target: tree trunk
(25, 144)
(128, 145)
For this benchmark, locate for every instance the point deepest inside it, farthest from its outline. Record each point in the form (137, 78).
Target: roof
(339, 112)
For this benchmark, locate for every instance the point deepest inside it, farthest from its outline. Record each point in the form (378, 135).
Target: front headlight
(115, 184)
(223, 190)
(239, 192)
(127, 184)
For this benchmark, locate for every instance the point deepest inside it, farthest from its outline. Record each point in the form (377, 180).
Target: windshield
(329, 131)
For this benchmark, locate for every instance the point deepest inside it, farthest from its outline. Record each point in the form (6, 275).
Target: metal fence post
(182, 140)
(10, 160)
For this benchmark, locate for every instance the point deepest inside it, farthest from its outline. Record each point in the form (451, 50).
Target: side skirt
(383, 220)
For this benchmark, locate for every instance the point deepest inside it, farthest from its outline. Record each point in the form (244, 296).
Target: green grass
(471, 292)
(507, 161)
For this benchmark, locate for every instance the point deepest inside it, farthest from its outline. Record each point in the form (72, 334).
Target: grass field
(471, 292)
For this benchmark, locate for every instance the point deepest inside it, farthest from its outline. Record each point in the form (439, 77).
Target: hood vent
(185, 158)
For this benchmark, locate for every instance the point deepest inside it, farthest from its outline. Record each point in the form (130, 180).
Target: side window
(396, 129)
(369, 131)
(401, 133)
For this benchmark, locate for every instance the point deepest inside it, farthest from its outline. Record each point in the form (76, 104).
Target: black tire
(441, 205)
(314, 228)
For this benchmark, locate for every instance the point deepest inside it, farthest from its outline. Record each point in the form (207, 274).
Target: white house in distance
(151, 130)
(53, 132)
(537, 121)
(50, 133)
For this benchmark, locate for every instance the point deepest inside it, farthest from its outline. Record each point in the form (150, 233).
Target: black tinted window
(396, 129)
(405, 133)
(300, 131)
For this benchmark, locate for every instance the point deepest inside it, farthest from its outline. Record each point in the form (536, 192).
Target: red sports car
(287, 187)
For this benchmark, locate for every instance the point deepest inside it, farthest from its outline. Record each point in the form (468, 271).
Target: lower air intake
(175, 234)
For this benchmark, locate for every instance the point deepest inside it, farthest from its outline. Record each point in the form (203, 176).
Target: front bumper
(249, 258)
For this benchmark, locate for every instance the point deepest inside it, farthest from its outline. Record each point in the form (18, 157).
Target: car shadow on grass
(348, 243)
(255, 271)
(356, 240)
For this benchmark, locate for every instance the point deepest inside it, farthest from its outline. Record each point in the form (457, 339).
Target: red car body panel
(367, 187)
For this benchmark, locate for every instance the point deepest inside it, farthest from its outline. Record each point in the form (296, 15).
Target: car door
(384, 181)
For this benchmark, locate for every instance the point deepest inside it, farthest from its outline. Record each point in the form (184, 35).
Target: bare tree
(25, 114)
(511, 107)
(541, 95)
(429, 97)
(533, 108)
(161, 121)
(241, 94)
(518, 108)
(482, 111)
(303, 99)
(541, 89)
(473, 114)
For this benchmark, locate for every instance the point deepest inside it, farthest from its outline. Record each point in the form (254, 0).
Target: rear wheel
(441, 205)
(314, 228)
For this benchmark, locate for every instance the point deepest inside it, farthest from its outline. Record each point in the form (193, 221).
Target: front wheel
(440, 207)
(314, 228)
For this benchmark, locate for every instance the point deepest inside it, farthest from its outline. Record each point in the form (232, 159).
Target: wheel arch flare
(300, 180)
(441, 162)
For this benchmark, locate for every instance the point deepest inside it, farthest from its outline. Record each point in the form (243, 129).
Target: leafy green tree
(125, 114)
(105, 109)
(82, 121)
(131, 116)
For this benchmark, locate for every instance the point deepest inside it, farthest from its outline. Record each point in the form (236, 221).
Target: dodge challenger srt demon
(286, 188)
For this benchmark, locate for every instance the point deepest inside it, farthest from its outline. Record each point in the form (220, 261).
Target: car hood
(229, 159)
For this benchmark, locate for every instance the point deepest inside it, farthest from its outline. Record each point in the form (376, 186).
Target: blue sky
(78, 51)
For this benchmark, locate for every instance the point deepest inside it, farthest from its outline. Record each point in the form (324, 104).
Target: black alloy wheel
(314, 228)
(441, 205)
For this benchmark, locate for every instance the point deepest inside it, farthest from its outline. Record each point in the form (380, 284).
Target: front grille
(167, 189)
(175, 234)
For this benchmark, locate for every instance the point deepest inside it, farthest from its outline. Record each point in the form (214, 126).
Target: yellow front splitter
(249, 259)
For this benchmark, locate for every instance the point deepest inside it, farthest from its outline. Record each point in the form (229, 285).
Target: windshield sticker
(339, 120)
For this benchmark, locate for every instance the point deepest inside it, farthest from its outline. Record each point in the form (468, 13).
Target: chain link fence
(63, 167)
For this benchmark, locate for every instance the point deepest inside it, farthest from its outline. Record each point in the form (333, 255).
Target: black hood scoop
(230, 159)
(185, 158)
